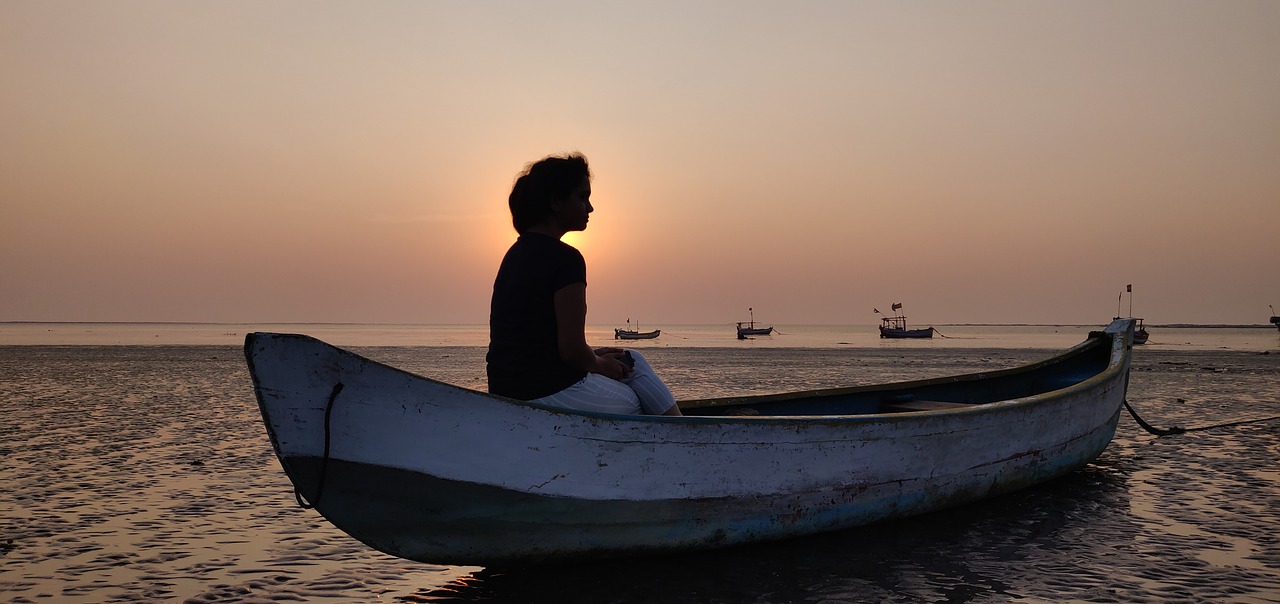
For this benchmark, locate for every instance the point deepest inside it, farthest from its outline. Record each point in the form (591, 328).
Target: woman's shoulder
(537, 242)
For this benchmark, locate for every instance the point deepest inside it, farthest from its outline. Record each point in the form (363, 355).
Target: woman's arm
(571, 335)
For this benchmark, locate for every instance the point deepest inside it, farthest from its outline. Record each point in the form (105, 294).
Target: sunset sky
(980, 162)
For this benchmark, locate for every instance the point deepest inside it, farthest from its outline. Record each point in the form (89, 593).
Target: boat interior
(953, 392)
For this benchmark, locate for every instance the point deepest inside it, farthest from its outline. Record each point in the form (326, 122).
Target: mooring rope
(1181, 430)
(324, 461)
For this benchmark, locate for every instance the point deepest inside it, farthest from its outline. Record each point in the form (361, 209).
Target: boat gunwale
(1115, 363)
(1096, 339)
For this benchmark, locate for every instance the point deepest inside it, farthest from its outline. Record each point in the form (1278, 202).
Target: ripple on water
(144, 474)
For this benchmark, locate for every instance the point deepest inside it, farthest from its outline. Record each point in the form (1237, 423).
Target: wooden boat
(896, 326)
(1140, 335)
(627, 334)
(634, 334)
(1275, 319)
(432, 472)
(748, 328)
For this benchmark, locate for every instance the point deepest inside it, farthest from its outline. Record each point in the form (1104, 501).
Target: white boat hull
(432, 472)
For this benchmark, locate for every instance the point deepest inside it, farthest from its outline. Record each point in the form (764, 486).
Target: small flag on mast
(896, 306)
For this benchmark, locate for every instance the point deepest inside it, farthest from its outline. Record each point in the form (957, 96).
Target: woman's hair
(542, 182)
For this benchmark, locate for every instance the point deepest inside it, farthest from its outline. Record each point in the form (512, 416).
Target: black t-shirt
(524, 356)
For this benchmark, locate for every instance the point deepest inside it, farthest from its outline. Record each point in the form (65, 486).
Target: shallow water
(143, 473)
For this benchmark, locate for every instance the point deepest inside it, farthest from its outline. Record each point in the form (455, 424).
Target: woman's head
(542, 183)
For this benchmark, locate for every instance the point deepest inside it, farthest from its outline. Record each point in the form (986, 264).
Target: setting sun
(979, 161)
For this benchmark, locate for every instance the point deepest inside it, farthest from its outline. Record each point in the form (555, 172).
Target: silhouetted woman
(537, 319)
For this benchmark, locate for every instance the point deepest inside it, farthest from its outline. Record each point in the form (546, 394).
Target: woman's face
(573, 211)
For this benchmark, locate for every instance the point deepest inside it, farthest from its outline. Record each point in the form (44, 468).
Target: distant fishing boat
(634, 334)
(749, 328)
(896, 326)
(1140, 334)
(432, 472)
(1275, 319)
(623, 334)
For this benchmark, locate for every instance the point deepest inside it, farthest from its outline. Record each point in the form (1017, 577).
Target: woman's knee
(596, 393)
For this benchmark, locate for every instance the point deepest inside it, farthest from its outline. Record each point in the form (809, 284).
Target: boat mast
(1120, 300)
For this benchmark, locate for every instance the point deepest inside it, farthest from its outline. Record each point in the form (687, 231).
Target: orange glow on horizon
(978, 164)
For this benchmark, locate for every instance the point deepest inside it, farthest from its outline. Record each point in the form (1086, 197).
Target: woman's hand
(609, 363)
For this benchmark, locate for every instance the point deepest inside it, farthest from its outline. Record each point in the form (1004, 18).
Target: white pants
(642, 391)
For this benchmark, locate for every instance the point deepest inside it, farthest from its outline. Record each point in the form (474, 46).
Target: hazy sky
(1008, 162)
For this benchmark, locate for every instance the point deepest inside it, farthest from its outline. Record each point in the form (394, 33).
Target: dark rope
(324, 462)
(935, 330)
(1181, 430)
(1149, 427)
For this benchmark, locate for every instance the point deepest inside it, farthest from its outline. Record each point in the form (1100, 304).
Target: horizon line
(1151, 325)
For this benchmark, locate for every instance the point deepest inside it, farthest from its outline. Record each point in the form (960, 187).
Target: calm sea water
(134, 468)
(674, 336)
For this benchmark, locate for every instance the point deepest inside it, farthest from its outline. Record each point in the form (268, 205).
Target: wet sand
(143, 473)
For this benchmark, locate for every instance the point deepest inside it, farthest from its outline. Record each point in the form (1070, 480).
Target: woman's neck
(548, 230)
